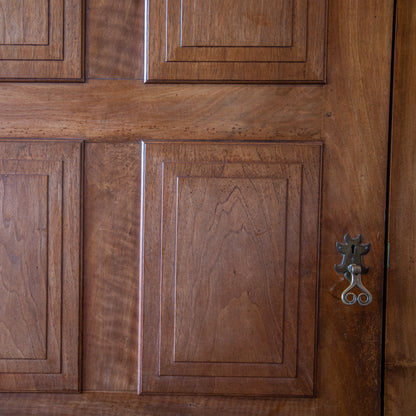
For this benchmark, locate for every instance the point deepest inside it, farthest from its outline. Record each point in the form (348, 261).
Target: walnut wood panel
(115, 404)
(45, 19)
(44, 45)
(31, 260)
(114, 33)
(40, 270)
(24, 264)
(214, 23)
(400, 362)
(111, 266)
(126, 110)
(179, 48)
(234, 41)
(225, 309)
(24, 22)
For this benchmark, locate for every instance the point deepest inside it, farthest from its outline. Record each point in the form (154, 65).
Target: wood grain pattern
(111, 267)
(23, 270)
(399, 393)
(356, 75)
(217, 42)
(40, 272)
(180, 49)
(114, 34)
(401, 311)
(24, 22)
(226, 231)
(127, 110)
(349, 113)
(32, 14)
(228, 219)
(55, 46)
(114, 404)
(214, 23)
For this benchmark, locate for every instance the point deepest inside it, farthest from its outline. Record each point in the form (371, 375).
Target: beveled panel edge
(304, 382)
(157, 70)
(70, 154)
(66, 70)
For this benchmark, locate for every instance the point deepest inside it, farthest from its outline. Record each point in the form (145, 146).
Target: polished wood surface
(103, 111)
(42, 40)
(113, 111)
(214, 23)
(225, 291)
(114, 39)
(23, 237)
(400, 386)
(24, 23)
(111, 266)
(235, 41)
(40, 272)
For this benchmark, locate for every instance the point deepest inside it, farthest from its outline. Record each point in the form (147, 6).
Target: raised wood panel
(45, 23)
(24, 22)
(213, 23)
(180, 48)
(23, 251)
(40, 268)
(229, 291)
(37, 42)
(234, 41)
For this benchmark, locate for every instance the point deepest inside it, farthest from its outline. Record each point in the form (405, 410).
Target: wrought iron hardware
(352, 268)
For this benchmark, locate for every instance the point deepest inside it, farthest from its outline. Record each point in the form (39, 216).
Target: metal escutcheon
(352, 268)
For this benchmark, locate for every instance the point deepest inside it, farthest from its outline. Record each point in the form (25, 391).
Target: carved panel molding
(235, 41)
(229, 268)
(41, 39)
(40, 231)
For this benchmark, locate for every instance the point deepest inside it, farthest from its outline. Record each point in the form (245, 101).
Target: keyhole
(353, 249)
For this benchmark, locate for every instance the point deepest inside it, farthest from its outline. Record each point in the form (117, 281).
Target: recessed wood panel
(36, 42)
(39, 272)
(225, 310)
(235, 41)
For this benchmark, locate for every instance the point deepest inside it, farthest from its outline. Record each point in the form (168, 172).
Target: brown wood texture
(115, 404)
(128, 110)
(349, 113)
(111, 266)
(114, 34)
(355, 135)
(31, 21)
(42, 40)
(234, 41)
(229, 299)
(24, 236)
(400, 361)
(40, 267)
(23, 22)
(214, 23)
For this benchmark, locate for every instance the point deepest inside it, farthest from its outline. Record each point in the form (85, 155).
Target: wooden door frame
(400, 312)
